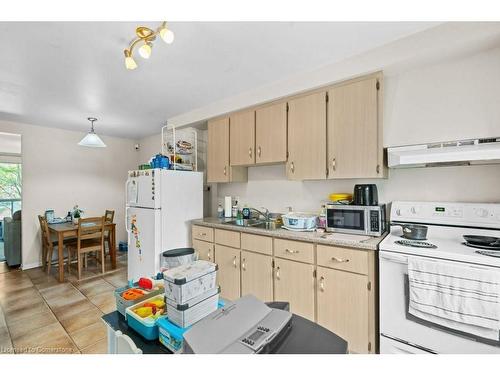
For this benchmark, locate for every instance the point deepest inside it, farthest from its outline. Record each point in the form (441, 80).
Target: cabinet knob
(322, 283)
(277, 273)
(209, 256)
(291, 251)
(259, 151)
(340, 260)
(225, 171)
(234, 262)
(292, 167)
(250, 152)
(334, 164)
(243, 265)
(378, 168)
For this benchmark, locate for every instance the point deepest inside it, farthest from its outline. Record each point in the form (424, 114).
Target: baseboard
(31, 265)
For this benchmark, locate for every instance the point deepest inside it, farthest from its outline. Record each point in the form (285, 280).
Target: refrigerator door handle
(126, 220)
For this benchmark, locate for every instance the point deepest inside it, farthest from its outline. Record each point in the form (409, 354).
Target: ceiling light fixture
(146, 36)
(91, 139)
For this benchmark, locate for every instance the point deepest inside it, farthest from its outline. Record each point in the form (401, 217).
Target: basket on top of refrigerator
(188, 281)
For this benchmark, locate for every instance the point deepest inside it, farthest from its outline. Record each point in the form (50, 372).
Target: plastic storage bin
(177, 257)
(122, 303)
(146, 327)
(299, 221)
(193, 311)
(189, 281)
(171, 335)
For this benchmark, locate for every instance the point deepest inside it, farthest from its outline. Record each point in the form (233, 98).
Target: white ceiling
(58, 74)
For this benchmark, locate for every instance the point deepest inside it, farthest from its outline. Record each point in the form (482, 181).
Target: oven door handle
(394, 258)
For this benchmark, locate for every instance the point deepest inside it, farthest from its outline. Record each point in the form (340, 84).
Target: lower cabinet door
(228, 275)
(343, 307)
(257, 275)
(294, 283)
(204, 250)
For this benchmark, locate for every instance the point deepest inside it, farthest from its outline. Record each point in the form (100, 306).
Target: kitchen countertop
(334, 239)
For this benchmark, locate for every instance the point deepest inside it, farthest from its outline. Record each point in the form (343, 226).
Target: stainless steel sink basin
(254, 223)
(269, 225)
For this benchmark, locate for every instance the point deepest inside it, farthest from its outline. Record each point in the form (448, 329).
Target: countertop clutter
(333, 239)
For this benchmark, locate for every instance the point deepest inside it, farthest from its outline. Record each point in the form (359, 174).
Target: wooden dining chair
(108, 218)
(49, 247)
(90, 239)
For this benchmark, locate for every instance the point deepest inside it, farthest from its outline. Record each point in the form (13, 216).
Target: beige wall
(57, 174)
(149, 146)
(446, 101)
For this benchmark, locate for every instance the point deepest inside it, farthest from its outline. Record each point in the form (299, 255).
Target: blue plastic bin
(146, 327)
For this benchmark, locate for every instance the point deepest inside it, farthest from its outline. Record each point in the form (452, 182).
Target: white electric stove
(447, 224)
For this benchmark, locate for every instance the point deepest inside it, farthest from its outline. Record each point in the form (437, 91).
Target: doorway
(10, 199)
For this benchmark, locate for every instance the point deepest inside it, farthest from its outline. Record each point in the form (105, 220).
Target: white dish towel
(463, 298)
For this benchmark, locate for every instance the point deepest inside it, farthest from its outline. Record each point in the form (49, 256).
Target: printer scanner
(244, 326)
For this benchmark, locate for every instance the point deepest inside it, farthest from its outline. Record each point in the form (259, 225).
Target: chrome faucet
(266, 215)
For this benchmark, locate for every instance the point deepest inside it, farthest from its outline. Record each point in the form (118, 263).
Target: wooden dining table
(65, 230)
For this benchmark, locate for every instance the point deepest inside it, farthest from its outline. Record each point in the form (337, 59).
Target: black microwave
(367, 220)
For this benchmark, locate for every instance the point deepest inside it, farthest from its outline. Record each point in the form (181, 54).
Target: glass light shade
(92, 140)
(167, 35)
(130, 63)
(145, 51)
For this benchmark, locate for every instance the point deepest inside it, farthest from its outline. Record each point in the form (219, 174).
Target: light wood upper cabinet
(294, 282)
(355, 147)
(306, 137)
(343, 307)
(218, 167)
(270, 134)
(242, 138)
(218, 150)
(257, 275)
(228, 274)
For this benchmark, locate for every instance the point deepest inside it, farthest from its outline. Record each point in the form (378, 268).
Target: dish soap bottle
(220, 212)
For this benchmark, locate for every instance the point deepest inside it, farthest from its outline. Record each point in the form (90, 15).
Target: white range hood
(465, 152)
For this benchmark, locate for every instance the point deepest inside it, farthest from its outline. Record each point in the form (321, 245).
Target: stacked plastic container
(191, 293)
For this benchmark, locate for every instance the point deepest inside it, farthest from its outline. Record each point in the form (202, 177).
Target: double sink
(254, 223)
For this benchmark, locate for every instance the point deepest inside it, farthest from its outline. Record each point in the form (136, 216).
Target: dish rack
(181, 147)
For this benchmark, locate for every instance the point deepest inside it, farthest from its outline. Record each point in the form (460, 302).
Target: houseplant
(76, 213)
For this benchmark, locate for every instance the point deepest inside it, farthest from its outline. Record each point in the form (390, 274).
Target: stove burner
(484, 247)
(411, 243)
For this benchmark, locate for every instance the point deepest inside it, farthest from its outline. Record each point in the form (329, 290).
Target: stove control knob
(414, 210)
(398, 212)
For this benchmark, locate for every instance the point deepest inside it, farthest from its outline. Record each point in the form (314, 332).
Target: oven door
(347, 220)
(396, 324)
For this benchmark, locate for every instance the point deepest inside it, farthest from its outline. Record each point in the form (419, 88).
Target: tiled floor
(40, 315)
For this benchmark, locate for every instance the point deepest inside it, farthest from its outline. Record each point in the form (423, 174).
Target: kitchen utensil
(365, 195)
(414, 231)
(482, 240)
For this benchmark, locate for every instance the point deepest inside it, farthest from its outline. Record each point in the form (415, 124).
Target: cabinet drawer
(341, 258)
(203, 233)
(259, 244)
(205, 250)
(227, 238)
(294, 250)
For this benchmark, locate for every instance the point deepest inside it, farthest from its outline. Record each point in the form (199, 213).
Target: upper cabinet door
(355, 147)
(306, 137)
(270, 134)
(218, 151)
(242, 138)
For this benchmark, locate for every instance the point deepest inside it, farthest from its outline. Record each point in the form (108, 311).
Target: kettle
(365, 195)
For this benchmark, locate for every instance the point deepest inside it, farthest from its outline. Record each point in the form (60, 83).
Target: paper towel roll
(228, 206)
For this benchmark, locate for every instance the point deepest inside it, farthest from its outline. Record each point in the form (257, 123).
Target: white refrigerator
(159, 207)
